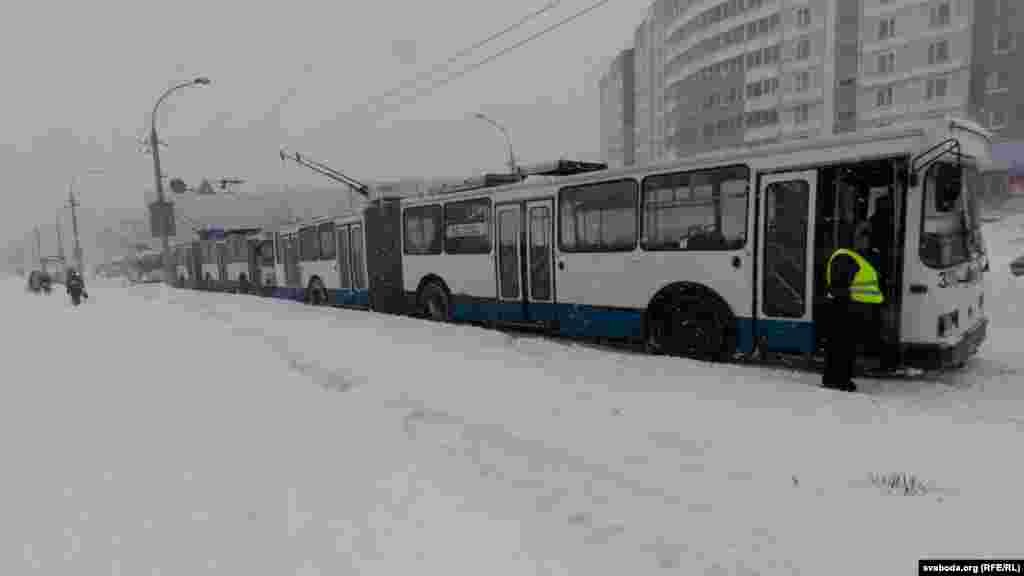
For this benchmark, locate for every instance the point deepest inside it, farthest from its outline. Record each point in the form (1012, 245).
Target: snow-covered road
(172, 432)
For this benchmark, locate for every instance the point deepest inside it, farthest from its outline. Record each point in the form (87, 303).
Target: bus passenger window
(598, 217)
(467, 226)
(701, 210)
(422, 230)
(309, 244)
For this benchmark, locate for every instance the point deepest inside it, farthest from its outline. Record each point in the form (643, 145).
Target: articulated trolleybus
(720, 255)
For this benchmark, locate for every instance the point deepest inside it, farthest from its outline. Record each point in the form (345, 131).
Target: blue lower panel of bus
(597, 322)
(348, 297)
(288, 293)
(780, 335)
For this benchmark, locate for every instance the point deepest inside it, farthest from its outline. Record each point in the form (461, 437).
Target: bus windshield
(951, 222)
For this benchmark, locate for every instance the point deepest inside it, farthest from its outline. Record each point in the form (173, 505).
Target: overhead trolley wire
(464, 52)
(477, 65)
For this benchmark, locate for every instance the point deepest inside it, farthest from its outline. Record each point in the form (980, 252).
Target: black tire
(691, 323)
(243, 284)
(435, 303)
(316, 294)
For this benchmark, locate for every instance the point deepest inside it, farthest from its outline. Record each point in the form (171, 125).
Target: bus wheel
(435, 302)
(692, 325)
(317, 294)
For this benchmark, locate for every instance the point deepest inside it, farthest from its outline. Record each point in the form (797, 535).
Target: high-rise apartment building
(618, 111)
(915, 60)
(997, 89)
(716, 73)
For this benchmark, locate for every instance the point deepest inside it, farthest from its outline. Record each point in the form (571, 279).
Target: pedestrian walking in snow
(76, 287)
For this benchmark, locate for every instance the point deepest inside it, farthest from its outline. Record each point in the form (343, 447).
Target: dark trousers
(846, 327)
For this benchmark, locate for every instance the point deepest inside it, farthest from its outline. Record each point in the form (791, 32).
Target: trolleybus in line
(716, 256)
(720, 254)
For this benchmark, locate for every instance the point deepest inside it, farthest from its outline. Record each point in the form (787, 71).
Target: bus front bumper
(943, 356)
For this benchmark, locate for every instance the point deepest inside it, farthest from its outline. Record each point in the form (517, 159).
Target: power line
(463, 52)
(455, 76)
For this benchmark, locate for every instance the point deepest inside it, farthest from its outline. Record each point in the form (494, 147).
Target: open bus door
(785, 283)
(222, 264)
(253, 250)
(294, 277)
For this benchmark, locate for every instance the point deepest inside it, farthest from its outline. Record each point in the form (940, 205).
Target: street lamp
(511, 156)
(154, 143)
(73, 204)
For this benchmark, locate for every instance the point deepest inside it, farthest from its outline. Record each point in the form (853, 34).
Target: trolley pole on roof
(325, 170)
(508, 140)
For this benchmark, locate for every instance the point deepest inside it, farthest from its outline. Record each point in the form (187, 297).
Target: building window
(940, 14)
(761, 118)
(1002, 41)
(422, 230)
(886, 63)
(803, 17)
(997, 81)
(765, 87)
(704, 210)
(996, 119)
(802, 114)
(802, 81)
(467, 226)
(938, 52)
(734, 96)
(883, 98)
(886, 28)
(600, 217)
(803, 49)
(936, 88)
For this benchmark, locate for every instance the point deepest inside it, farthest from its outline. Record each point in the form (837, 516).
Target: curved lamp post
(154, 143)
(511, 156)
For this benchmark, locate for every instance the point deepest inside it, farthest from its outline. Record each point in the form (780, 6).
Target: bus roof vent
(485, 181)
(553, 168)
(562, 167)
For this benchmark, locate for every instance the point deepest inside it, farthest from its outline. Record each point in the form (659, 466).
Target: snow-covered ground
(158, 431)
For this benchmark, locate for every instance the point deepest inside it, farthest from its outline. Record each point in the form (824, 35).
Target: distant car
(1017, 266)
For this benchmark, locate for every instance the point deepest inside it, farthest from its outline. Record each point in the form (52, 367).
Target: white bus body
(327, 261)
(733, 242)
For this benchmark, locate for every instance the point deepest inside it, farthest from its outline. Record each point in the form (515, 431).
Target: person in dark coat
(76, 287)
(852, 290)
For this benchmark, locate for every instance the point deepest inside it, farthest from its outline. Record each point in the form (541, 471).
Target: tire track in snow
(329, 379)
(588, 496)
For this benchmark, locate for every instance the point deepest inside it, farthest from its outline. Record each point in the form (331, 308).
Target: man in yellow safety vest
(853, 287)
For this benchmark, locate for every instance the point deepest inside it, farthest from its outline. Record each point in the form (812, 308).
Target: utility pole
(74, 227)
(166, 216)
(60, 242)
(39, 249)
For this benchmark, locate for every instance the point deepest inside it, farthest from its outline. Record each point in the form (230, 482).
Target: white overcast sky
(79, 79)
